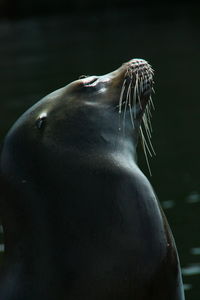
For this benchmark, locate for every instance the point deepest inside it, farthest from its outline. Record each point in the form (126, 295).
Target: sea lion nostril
(90, 81)
(83, 76)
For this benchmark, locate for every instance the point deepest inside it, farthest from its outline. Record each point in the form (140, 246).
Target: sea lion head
(94, 115)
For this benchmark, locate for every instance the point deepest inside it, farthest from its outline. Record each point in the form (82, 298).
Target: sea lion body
(81, 220)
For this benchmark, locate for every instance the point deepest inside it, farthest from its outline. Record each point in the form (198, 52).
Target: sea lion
(81, 220)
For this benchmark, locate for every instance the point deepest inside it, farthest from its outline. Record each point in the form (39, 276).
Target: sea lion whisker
(121, 96)
(139, 101)
(148, 116)
(147, 141)
(148, 134)
(135, 98)
(144, 149)
(143, 139)
(151, 101)
(142, 83)
(124, 114)
(138, 90)
(121, 102)
(130, 106)
(145, 122)
(148, 109)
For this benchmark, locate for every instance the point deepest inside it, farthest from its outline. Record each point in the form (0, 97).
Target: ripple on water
(2, 247)
(194, 197)
(187, 286)
(195, 251)
(192, 269)
(168, 204)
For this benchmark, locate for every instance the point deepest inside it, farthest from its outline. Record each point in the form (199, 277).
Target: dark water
(40, 55)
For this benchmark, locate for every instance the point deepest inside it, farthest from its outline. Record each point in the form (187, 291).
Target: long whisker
(151, 101)
(130, 105)
(138, 89)
(144, 146)
(135, 93)
(148, 114)
(124, 115)
(121, 101)
(148, 135)
(146, 125)
(121, 96)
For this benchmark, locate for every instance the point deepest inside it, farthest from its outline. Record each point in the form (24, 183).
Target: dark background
(45, 45)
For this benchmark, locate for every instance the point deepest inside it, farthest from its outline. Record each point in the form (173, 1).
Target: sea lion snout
(141, 72)
(134, 77)
(133, 80)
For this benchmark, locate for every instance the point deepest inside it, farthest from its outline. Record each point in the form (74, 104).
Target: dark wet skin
(81, 220)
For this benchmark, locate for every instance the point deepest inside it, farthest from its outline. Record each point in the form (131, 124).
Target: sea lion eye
(41, 121)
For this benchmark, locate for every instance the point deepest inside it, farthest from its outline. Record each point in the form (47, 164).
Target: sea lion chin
(81, 220)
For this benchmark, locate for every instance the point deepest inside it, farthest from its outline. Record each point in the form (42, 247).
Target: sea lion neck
(35, 228)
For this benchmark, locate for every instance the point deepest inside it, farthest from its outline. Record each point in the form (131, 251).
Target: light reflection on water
(190, 265)
(195, 251)
(168, 204)
(2, 248)
(194, 197)
(187, 286)
(193, 269)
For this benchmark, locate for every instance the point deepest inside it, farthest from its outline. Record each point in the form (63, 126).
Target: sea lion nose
(140, 66)
(137, 62)
(90, 81)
